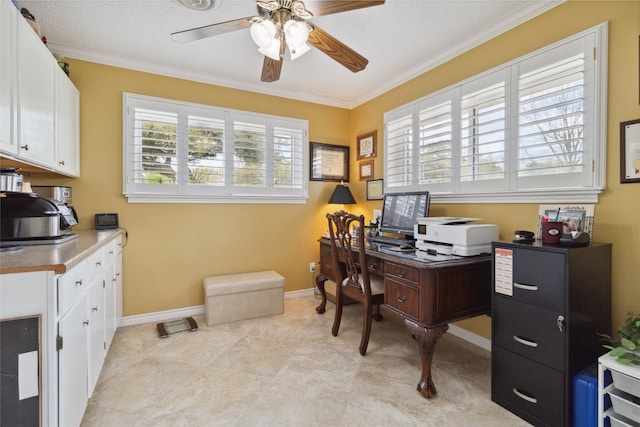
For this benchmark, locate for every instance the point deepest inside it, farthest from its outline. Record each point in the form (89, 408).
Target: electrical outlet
(312, 267)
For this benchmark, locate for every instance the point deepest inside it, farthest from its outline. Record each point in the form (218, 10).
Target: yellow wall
(172, 247)
(617, 215)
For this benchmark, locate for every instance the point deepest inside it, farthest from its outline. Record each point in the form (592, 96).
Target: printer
(447, 237)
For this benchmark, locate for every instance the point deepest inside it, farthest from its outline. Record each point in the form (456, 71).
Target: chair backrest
(342, 226)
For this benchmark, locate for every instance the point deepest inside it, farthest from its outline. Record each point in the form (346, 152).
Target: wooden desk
(428, 294)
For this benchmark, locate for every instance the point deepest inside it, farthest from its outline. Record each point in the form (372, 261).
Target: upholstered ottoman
(242, 296)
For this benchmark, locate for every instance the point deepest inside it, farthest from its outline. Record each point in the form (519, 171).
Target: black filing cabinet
(549, 303)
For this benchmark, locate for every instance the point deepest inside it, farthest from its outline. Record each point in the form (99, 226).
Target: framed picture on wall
(374, 189)
(366, 170)
(367, 145)
(630, 151)
(329, 162)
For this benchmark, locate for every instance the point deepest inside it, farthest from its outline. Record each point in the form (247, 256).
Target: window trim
(598, 105)
(220, 194)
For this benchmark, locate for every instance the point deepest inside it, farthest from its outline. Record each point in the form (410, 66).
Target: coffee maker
(56, 192)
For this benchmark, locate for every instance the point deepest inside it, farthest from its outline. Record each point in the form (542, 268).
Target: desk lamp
(342, 195)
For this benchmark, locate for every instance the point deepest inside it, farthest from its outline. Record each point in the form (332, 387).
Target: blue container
(585, 397)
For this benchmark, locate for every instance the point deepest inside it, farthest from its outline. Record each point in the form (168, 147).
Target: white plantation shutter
(435, 144)
(206, 151)
(483, 128)
(186, 152)
(552, 107)
(535, 127)
(399, 168)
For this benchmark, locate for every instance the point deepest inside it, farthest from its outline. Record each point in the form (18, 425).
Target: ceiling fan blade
(328, 7)
(337, 50)
(271, 68)
(210, 30)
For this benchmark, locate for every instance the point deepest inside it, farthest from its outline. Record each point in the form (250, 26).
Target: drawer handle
(525, 287)
(98, 263)
(523, 396)
(401, 273)
(78, 282)
(85, 323)
(25, 147)
(61, 163)
(525, 342)
(95, 308)
(372, 266)
(110, 252)
(400, 297)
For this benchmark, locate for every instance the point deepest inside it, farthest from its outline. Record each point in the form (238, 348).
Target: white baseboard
(161, 316)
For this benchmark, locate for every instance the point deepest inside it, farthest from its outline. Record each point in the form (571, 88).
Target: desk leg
(426, 338)
(320, 279)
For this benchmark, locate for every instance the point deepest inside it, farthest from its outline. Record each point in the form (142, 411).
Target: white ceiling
(401, 39)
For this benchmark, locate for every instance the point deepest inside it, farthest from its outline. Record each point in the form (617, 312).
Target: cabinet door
(72, 362)
(7, 76)
(35, 98)
(67, 116)
(97, 347)
(119, 278)
(110, 311)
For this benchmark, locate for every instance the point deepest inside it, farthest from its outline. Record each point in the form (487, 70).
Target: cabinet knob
(61, 162)
(79, 282)
(98, 264)
(25, 147)
(401, 273)
(400, 297)
(95, 308)
(85, 323)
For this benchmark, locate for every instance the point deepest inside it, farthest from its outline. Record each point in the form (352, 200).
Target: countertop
(60, 257)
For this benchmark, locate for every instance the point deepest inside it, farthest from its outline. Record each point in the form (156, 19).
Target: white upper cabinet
(7, 77)
(35, 98)
(67, 117)
(39, 105)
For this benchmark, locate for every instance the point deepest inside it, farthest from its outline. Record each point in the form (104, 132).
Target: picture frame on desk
(329, 162)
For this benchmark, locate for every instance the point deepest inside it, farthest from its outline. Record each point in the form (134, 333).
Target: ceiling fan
(284, 23)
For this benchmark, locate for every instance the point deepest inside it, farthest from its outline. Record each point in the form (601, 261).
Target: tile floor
(288, 370)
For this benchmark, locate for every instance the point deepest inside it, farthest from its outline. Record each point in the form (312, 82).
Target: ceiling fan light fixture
(272, 51)
(296, 33)
(298, 51)
(263, 33)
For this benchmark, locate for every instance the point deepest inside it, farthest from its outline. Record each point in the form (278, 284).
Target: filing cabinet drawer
(402, 297)
(539, 278)
(530, 390)
(530, 331)
(397, 271)
(71, 285)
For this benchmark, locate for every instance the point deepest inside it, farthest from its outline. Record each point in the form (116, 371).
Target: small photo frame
(367, 145)
(366, 170)
(374, 189)
(329, 162)
(630, 151)
(573, 217)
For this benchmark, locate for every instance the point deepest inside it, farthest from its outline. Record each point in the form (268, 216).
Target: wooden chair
(352, 280)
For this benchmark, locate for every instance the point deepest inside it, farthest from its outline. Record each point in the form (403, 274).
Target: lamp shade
(263, 33)
(342, 196)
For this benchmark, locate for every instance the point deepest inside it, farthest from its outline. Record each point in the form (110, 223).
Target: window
(180, 152)
(530, 130)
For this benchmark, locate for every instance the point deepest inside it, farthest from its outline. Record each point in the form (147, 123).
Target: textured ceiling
(401, 39)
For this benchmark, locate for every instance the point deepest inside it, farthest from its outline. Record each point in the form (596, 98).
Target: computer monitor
(400, 212)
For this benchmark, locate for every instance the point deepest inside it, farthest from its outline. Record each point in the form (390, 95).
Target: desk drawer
(402, 297)
(375, 265)
(409, 274)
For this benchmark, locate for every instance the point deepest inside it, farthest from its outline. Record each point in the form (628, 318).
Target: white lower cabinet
(85, 331)
(73, 360)
(622, 394)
